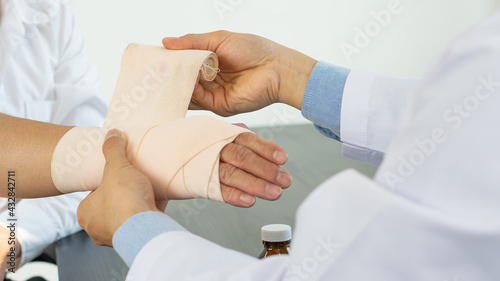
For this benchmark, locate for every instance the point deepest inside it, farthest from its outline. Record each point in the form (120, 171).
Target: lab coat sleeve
(374, 109)
(363, 110)
(77, 82)
(349, 228)
(130, 238)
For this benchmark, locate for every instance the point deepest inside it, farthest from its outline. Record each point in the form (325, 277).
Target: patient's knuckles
(259, 145)
(263, 168)
(246, 138)
(239, 154)
(227, 173)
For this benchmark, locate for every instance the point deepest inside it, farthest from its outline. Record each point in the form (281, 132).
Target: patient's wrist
(77, 163)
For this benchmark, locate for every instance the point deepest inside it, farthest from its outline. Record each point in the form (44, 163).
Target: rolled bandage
(179, 155)
(155, 85)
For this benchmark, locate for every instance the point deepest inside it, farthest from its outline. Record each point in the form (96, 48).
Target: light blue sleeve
(323, 98)
(138, 230)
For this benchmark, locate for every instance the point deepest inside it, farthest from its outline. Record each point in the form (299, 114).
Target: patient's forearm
(26, 147)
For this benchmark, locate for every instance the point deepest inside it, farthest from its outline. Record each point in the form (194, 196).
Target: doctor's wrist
(294, 69)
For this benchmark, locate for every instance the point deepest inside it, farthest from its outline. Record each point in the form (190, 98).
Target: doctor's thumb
(204, 41)
(114, 149)
(172, 43)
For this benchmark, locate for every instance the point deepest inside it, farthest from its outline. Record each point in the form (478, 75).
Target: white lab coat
(430, 214)
(45, 76)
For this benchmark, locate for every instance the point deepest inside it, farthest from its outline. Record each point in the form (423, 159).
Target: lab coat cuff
(323, 98)
(138, 230)
(355, 113)
(362, 154)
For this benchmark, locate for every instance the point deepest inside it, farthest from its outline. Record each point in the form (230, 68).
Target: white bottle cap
(276, 233)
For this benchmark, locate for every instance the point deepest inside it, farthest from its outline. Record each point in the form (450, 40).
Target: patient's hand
(250, 167)
(211, 159)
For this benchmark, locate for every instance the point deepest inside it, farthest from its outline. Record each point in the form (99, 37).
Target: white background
(405, 47)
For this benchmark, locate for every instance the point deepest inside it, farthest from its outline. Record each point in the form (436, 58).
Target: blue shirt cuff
(323, 98)
(138, 230)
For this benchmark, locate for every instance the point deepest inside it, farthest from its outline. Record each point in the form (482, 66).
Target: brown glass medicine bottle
(276, 239)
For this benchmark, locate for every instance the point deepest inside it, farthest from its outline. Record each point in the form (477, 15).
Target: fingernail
(280, 156)
(247, 199)
(284, 178)
(113, 133)
(273, 190)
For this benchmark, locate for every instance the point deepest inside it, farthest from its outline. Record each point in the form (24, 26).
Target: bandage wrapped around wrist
(179, 155)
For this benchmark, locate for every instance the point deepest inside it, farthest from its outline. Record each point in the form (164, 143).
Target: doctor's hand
(123, 192)
(254, 72)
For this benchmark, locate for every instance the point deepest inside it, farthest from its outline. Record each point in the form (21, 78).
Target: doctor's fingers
(212, 96)
(201, 99)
